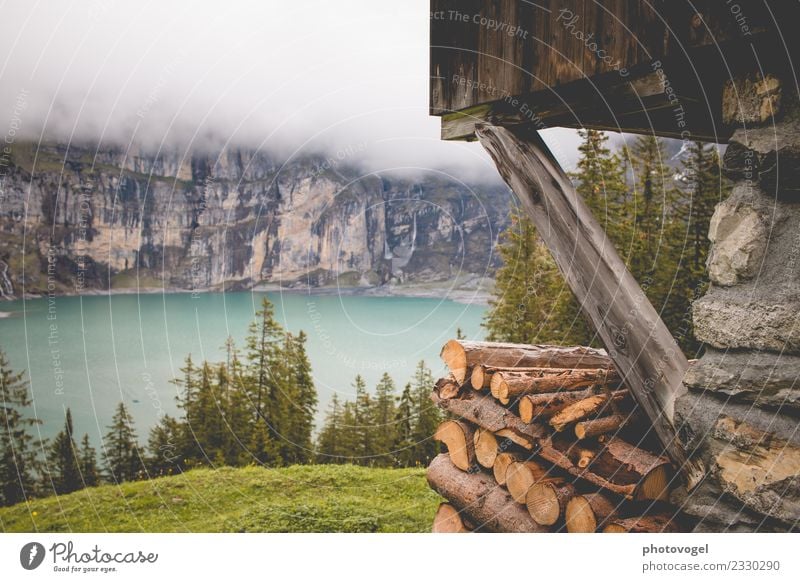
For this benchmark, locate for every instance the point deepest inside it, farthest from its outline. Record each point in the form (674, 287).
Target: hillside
(90, 219)
(315, 498)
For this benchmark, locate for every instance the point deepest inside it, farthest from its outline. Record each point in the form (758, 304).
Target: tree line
(384, 429)
(256, 407)
(658, 224)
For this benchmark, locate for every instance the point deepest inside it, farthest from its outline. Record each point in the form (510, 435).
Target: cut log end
(580, 517)
(455, 357)
(521, 476)
(526, 410)
(485, 447)
(480, 377)
(458, 437)
(501, 464)
(546, 502)
(655, 484)
(498, 387)
(448, 520)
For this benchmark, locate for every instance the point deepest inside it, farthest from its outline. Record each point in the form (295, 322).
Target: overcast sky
(289, 76)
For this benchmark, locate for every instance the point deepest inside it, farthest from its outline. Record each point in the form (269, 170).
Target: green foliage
(18, 462)
(259, 408)
(63, 463)
(660, 231)
(90, 474)
(123, 459)
(381, 430)
(301, 498)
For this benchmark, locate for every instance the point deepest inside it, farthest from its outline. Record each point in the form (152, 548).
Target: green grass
(311, 498)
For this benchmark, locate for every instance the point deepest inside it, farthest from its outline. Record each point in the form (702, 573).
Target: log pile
(545, 438)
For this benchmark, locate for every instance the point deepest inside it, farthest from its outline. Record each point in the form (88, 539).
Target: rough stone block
(765, 379)
(728, 321)
(739, 238)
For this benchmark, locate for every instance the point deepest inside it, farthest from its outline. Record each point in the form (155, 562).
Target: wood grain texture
(479, 499)
(644, 352)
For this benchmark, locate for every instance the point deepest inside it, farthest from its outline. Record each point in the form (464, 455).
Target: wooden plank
(644, 352)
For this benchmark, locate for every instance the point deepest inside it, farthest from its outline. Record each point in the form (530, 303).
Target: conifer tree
(427, 416)
(362, 409)
(62, 460)
(264, 358)
(329, 440)
(527, 307)
(302, 400)
(405, 420)
(163, 447)
(88, 463)
(121, 450)
(18, 462)
(383, 420)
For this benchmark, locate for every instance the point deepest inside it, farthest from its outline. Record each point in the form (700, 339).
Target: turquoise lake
(88, 353)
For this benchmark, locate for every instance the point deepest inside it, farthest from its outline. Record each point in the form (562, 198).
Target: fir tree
(329, 440)
(63, 464)
(18, 463)
(121, 451)
(383, 420)
(405, 419)
(362, 431)
(163, 447)
(302, 404)
(427, 416)
(531, 297)
(264, 357)
(88, 463)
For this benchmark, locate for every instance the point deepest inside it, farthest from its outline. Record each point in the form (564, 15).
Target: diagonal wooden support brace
(644, 352)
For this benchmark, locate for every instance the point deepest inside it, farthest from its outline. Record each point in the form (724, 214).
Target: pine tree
(383, 420)
(427, 416)
(329, 440)
(187, 401)
(364, 449)
(264, 356)
(88, 463)
(163, 447)
(649, 212)
(532, 303)
(18, 463)
(62, 460)
(405, 420)
(302, 401)
(349, 437)
(121, 450)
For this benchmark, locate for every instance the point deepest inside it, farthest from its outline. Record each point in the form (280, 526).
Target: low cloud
(289, 77)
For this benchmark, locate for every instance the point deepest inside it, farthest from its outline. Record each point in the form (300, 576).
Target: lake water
(90, 352)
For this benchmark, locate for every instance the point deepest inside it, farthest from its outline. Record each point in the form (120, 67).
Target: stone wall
(741, 412)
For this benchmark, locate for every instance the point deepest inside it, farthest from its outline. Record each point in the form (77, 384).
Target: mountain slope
(311, 498)
(78, 218)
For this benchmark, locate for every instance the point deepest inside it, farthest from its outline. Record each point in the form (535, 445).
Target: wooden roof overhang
(655, 67)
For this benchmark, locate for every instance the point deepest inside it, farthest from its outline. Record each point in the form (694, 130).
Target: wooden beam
(642, 348)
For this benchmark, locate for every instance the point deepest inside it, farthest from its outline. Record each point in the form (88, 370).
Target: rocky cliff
(74, 219)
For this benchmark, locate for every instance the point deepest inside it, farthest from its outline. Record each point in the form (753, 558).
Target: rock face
(740, 414)
(78, 220)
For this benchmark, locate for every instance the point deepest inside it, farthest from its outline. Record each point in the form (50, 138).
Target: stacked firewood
(545, 438)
